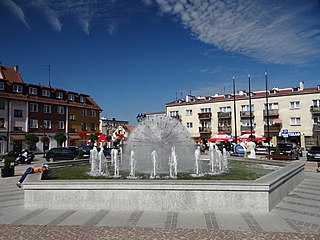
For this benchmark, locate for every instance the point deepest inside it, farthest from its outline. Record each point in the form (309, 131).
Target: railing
(315, 109)
(316, 127)
(271, 112)
(224, 114)
(246, 114)
(247, 128)
(226, 129)
(203, 116)
(275, 128)
(204, 130)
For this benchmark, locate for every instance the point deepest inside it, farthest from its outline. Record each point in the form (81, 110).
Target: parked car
(291, 150)
(86, 150)
(59, 153)
(75, 150)
(314, 154)
(261, 150)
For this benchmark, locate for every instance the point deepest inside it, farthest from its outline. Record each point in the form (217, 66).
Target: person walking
(31, 170)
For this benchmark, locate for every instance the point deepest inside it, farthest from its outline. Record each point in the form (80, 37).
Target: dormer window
(1, 85)
(59, 95)
(82, 99)
(17, 88)
(33, 90)
(45, 93)
(71, 97)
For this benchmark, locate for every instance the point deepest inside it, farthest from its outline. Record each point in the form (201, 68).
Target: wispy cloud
(16, 10)
(282, 32)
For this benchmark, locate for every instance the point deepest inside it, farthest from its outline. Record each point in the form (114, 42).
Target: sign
(294, 134)
(285, 133)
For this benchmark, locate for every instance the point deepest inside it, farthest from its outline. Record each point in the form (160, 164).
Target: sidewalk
(297, 216)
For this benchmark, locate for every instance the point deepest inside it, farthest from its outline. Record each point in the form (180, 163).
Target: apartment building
(293, 114)
(42, 110)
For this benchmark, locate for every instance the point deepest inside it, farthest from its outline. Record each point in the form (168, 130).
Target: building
(293, 114)
(43, 111)
(109, 126)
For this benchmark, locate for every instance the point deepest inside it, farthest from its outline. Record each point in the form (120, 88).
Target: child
(31, 170)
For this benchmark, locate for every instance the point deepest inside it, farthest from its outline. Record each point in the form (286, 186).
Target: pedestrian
(31, 170)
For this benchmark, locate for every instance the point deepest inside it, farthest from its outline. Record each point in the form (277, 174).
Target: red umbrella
(220, 137)
(247, 136)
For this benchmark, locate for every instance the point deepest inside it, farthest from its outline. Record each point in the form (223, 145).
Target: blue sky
(134, 56)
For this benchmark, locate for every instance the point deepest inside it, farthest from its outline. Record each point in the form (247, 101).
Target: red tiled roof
(11, 74)
(129, 128)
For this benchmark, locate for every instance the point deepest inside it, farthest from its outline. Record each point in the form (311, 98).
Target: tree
(60, 138)
(31, 140)
(45, 141)
(93, 138)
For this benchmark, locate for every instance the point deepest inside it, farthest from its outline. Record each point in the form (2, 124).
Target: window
(174, 113)
(92, 113)
(33, 107)
(246, 108)
(316, 120)
(60, 125)
(47, 108)
(82, 99)
(33, 90)
(205, 110)
(45, 93)
(2, 104)
(60, 110)
(189, 112)
(47, 124)
(246, 122)
(71, 97)
(72, 117)
(17, 113)
(92, 126)
(17, 128)
(1, 85)
(1, 122)
(294, 105)
(295, 121)
(33, 123)
(225, 109)
(316, 102)
(271, 106)
(83, 112)
(83, 126)
(17, 88)
(189, 124)
(59, 95)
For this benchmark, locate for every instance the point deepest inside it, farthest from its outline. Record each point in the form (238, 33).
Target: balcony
(204, 130)
(226, 129)
(316, 128)
(176, 117)
(246, 114)
(271, 112)
(73, 130)
(205, 116)
(247, 128)
(273, 129)
(224, 114)
(315, 110)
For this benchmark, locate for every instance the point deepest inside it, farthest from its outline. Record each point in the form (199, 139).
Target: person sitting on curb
(31, 170)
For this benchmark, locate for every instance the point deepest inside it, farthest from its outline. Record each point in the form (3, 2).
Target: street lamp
(267, 104)
(234, 109)
(250, 107)
(44, 140)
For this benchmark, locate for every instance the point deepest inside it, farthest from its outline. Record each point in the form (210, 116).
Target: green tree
(60, 138)
(31, 140)
(93, 138)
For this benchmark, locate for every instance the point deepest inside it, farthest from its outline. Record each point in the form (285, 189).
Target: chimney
(16, 68)
(301, 85)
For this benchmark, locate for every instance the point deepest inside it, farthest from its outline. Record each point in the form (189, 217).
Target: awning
(18, 137)
(277, 120)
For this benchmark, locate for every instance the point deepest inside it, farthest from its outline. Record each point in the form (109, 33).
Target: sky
(134, 56)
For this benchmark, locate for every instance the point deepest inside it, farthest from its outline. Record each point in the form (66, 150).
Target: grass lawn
(237, 171)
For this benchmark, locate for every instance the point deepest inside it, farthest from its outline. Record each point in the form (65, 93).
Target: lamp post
(250, 107)
(234, 109)
(44, 140)
(267, 104)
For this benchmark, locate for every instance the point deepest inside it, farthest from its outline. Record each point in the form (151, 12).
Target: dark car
(75, 150)
(86, 150)
(314, 153)
(59, 153)
(289, 149)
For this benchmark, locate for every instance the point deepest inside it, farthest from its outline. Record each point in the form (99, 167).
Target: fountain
(166, 141)
(98, 163)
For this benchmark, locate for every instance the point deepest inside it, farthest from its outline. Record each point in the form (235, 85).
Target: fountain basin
(261, 195)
